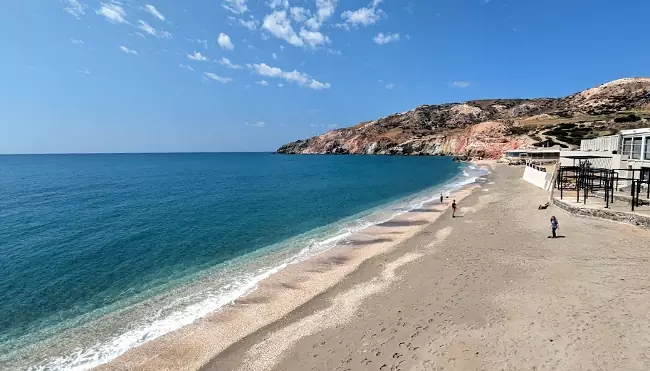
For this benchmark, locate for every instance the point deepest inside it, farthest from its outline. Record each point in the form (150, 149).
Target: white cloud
(186, 67)
(277, 4)
(75, 8)
(275, 56)
(313, 38)
(300, 78)
(226, 62)
(324, 10)
(460, 84)
(263, 83)
(279, 25)
(258, 124)
(77, 42)
(154, 12)
(113, 12)
(363, 16)
(299, 14)
(250, 24)
(128, 51)
(85, 71)
(146, 28)
(197, 56)
(224, 42)
(390, 86)
(382, 39)
(218, 78)
(235, 6)
(280, 85)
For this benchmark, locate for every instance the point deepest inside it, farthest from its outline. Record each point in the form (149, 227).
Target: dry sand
(485, 291)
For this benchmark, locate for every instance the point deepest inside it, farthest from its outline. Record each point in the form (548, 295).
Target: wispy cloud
(275, 56)
(197, 56)
(226, 62)
(127, 50)
(235, 6)
(218, 78)
(154, 12)
(382, 39)
(186, 67)
(365, 16)
(324, 10)
(390, 86)
(277, 4)
(460, 84)
(300, 78)
(263, 83)
(85, 71)
(113, 12)
(203, 42)
(224, 42)
(299, 14)
(148, 29)
(76, 42)
(258, 124)
(75, 8)
(251, 24)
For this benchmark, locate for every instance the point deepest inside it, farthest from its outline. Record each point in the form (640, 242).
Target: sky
(250, 75)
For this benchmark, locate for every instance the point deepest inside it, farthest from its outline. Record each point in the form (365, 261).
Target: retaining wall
(618, 216)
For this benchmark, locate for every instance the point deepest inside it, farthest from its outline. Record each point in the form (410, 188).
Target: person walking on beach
(554, 225)
(453, 209)
(441, 198)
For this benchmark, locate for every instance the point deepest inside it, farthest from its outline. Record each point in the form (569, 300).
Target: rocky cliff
(487, 128)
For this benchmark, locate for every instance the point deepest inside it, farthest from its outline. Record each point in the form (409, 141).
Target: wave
(219, 286)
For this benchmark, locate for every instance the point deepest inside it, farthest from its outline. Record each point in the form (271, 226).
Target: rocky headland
(487, 128)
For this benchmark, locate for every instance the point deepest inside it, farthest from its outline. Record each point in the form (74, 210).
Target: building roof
(635, 131)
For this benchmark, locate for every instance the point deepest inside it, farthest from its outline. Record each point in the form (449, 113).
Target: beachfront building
(542, 154)
(628, 152)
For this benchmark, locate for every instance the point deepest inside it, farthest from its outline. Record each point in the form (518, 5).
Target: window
(636, 148)
(627, 146)
(647, 148)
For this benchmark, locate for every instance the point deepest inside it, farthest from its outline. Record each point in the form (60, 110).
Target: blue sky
(250, 75)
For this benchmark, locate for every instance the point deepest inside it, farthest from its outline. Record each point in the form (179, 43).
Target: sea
(101, 253)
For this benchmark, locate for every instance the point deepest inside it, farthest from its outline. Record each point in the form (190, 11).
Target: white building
(628, 150)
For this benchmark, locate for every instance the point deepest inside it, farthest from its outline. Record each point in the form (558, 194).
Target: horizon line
(127, 153)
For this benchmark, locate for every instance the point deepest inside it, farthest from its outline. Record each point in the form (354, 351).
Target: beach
(425, 291)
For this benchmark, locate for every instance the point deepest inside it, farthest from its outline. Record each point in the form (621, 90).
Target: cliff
(487, 128)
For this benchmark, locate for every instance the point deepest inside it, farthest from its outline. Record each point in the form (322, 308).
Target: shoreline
(279, 294)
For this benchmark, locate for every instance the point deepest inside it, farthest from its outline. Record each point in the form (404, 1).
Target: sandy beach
(484, 291)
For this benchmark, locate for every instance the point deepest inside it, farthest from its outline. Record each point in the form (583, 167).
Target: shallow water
(101, 253)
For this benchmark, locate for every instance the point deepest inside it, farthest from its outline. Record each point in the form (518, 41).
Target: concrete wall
(538, 178)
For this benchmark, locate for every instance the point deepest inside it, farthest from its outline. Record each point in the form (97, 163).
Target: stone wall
(618, 216)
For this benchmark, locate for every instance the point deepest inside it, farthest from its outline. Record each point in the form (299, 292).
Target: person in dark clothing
(453, 209)
(441, 198)
(554, 226)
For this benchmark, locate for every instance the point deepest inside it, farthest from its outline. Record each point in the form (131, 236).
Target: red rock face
(485, 128)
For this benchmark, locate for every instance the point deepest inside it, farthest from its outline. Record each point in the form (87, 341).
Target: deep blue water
(82, 236)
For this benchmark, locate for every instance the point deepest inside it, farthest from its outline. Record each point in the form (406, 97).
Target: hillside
(487, 128)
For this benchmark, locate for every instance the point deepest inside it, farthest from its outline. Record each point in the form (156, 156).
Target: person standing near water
(554, 225)
(441, 198)
(453, 209)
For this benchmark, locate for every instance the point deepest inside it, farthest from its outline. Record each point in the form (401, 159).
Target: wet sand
(278, 296)
(486, 291)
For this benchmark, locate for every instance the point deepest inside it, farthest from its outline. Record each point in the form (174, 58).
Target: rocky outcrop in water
(484, 128)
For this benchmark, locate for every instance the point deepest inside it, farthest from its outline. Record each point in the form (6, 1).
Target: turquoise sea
(101, 253)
